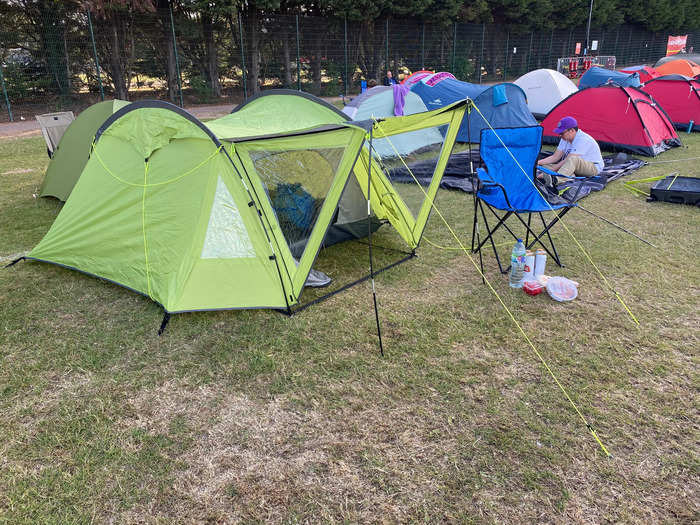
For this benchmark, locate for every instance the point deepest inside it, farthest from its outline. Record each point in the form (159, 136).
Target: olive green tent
(230, 214)
(69, 158)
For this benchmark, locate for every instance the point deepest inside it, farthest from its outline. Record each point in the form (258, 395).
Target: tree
(116, 17)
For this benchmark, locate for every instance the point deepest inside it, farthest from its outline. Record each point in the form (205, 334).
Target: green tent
(230, 214)
(69, 158)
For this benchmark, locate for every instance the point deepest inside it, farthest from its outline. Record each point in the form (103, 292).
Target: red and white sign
(675, 44)
(578, 48)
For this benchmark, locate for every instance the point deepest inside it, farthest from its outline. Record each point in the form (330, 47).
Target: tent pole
(369, 239)
(475, 188)
(611, 223)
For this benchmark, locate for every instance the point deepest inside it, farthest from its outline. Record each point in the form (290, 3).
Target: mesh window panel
(407, 155)
(297, 183)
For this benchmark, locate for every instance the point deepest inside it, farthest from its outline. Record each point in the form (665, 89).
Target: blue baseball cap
(564, 124)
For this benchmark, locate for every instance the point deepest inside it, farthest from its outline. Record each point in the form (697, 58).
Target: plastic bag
(561, 289)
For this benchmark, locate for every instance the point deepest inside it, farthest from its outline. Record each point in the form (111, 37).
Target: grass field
(250, 416)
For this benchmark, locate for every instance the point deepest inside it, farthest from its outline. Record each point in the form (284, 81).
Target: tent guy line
(503, 304)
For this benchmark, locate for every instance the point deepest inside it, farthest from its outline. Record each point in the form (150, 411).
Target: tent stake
(369, 239)
(164, 323)
(611, 223)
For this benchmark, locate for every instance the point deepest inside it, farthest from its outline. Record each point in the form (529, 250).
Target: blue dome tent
(599, 76)
(503, 105)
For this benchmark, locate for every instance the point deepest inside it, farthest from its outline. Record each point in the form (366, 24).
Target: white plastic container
(529, 270)
(540, 263)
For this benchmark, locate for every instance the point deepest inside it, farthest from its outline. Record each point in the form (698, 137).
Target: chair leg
(551, 242)
(477, 236)
(503, 223)
(491, 232)
(489, 237)
(527, 232)
(538, 237)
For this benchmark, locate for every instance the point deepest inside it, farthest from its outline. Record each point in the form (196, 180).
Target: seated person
(577, 154)
(389, 79)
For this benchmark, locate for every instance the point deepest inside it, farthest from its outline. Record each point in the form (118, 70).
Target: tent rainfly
(679, 67)
(230, 214)
(680, 98)
(544, 89)
(691, 57)
(619, 118)
(600, 76)
(502, 105)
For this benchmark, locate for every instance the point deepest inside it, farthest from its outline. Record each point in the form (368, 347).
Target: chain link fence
(58, 60)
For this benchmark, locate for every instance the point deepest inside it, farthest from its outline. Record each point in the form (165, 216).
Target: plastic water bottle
(517, 265)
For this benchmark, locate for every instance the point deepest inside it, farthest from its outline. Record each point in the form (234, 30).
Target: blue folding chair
(507, 185)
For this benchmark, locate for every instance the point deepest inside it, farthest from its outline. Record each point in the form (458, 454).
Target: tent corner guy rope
(508, 311)
(576, 241)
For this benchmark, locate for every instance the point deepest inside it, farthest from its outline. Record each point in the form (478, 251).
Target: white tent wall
(544, 89)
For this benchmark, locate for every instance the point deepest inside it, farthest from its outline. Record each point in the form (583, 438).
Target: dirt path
(30, 127)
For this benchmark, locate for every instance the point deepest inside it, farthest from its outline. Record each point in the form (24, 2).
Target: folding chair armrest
(486, 182)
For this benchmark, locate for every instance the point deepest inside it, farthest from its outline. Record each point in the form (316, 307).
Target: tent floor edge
(295, 310)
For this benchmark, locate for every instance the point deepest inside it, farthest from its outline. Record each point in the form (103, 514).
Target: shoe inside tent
(618, 118)
(544, 89)
(232, 214)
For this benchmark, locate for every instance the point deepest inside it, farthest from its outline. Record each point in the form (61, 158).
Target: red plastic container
(532, 287)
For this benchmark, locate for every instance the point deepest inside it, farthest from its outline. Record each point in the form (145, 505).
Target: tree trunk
(286, 56)
(115, 64)
(53, 42)
(211, 63)
(168, 45)
(316, 63)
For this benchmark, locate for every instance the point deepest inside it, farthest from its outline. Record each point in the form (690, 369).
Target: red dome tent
(680, 98)
(619, 118)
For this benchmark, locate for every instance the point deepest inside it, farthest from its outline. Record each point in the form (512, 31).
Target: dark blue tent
(503, 105)
(599, 76)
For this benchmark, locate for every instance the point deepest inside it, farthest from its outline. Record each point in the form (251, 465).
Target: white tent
(544, 89)
(377, 102)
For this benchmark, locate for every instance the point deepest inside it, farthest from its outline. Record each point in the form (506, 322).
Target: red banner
(675, 44)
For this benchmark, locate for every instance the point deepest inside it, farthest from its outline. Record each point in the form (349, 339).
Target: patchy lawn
(250, 416)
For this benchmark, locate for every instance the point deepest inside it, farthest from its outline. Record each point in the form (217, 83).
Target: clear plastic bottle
(517, 265)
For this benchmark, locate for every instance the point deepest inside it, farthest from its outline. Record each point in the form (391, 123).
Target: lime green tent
(230, 214)
(69, 158)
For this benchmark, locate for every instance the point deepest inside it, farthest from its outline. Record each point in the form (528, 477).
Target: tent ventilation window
(227, 237)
